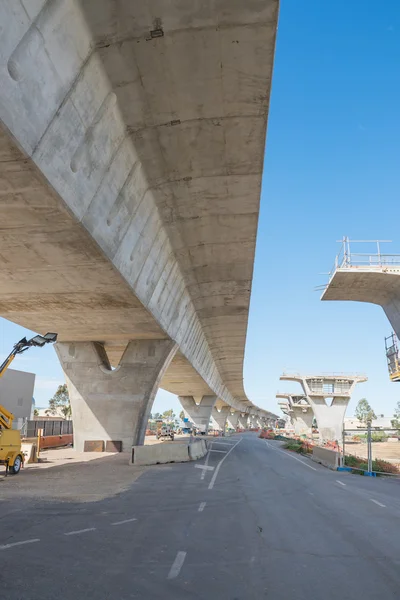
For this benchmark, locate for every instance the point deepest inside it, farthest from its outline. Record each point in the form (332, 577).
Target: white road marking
(294, 457)
(6, 546)
(80, 531)
(204, 467)
(222, 451)
(225, 443)
(122, 522)
(203, 473)
(341, 482)
(311, 494)
(378, 503)
(214, 477)
(202, 506)
(177, 565)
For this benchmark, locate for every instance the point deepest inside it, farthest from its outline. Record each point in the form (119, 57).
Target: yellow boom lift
(10, 439)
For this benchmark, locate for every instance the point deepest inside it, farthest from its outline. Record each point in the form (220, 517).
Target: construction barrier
(29, 450)
(168, 452)
(329, 458)
(197, 449)
(56, 441)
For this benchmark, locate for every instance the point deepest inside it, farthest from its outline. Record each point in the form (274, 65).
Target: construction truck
(164, 430)
(10, 439)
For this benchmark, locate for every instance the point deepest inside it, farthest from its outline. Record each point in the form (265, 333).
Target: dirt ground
(78, 480)
(389, 451)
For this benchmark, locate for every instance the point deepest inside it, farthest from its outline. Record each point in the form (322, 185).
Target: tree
(60, 402)
(168, 414)
(182, 415)
(35, 412)
(156, 416)
(396, 417)
(364, 412)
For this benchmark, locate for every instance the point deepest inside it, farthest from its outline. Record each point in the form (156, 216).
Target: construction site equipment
(164, 431)
(392, 356)
(11, 454)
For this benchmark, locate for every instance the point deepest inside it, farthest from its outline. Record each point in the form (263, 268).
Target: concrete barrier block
(328, 458)
(156, 454)
(197, 449)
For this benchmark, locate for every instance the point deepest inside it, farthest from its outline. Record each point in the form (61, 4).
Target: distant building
(379, 423)
(16, 394)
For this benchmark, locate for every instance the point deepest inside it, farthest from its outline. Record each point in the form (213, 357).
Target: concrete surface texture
(113, 404)
(219, 417)
(16, 394)
(272, 525)
(131, 152)
(199, 413)
(299, 411)
(329, 396)
(243, 421)
(233, 420)
(375, 284)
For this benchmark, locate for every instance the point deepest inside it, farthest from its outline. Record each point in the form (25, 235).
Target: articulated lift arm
(6, 418)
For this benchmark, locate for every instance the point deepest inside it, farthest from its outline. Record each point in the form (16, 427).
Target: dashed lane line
(123, 522)
(7, 546)
(222, 451)
(79, 531)
(202, 506)
(177, 565)
(341, 482)
(378, 503)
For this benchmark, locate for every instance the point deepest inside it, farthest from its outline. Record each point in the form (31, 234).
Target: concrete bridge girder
(122, 235)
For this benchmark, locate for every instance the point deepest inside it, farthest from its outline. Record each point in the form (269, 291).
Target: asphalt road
(258, 523)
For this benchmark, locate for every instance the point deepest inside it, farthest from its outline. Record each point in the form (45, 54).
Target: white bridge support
(328, 395)
(200, 413)
(233, 419)
(113, 404)
(300, 412)
(219, 417)
(243, 421)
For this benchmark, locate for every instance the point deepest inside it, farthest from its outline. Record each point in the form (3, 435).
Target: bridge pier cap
(328, 395)
(364, 272)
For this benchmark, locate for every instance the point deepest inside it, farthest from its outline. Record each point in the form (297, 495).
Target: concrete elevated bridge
(131, 154)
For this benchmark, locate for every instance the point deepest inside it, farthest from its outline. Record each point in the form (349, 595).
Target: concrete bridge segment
(131, 152)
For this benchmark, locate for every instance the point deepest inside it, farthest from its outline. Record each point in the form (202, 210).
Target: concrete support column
(252, 421)
(302, 420)
(112, 404)
(233, 420)
(218, 418)
(199, 414)
(329, 418)
(243, 422)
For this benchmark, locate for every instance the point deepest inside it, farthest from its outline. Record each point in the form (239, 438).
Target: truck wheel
(16, 467)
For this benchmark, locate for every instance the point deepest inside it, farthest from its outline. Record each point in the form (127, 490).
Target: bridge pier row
(199, 414)
(232, 420)
(219, 418)
(113, 404)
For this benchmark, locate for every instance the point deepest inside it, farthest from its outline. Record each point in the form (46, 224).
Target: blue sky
(331, 169)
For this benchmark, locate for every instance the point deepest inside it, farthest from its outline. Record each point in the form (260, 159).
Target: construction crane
(10, 439)
(392, 356)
